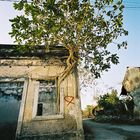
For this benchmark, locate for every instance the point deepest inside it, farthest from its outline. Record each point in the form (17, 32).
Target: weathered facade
(48, 110)
(131, 84)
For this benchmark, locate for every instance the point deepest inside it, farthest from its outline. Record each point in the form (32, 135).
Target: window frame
(60, 102)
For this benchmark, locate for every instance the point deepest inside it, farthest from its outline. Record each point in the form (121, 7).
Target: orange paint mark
(69, 99)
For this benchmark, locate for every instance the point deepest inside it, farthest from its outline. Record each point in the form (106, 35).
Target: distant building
(131, 85)
(46, 107)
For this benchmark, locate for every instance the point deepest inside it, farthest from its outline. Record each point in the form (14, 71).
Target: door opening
(10, 100)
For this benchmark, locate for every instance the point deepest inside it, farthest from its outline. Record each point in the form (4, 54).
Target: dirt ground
(107, 131)
(93, 131)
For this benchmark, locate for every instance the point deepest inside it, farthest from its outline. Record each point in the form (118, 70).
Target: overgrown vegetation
(110, 109)
(106, 104)
(108, 101)
(88, 111)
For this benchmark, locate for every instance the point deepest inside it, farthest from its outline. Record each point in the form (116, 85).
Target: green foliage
(108, 101)
(88, 112)
(85, 29)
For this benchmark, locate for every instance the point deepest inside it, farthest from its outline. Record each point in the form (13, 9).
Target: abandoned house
(131, 83)
(33, 104)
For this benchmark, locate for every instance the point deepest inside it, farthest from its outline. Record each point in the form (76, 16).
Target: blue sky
(128, 57)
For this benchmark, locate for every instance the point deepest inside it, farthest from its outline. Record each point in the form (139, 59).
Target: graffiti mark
(69, 99)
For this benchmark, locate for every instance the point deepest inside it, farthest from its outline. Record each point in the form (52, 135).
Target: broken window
(47, 98)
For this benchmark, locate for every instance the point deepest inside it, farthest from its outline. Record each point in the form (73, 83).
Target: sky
(128, 57)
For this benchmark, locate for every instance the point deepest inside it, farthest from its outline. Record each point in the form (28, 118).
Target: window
(48, 103)
(47, 98)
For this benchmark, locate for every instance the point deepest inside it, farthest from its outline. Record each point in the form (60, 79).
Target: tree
(108, 101)
(88, 111)
(83, 28)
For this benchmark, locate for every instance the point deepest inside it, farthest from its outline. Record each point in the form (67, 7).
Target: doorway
(10, 100)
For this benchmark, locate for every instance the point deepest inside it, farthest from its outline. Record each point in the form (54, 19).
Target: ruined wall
(131, 83)
(132, 79)
(67, 124)
(136, 97)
